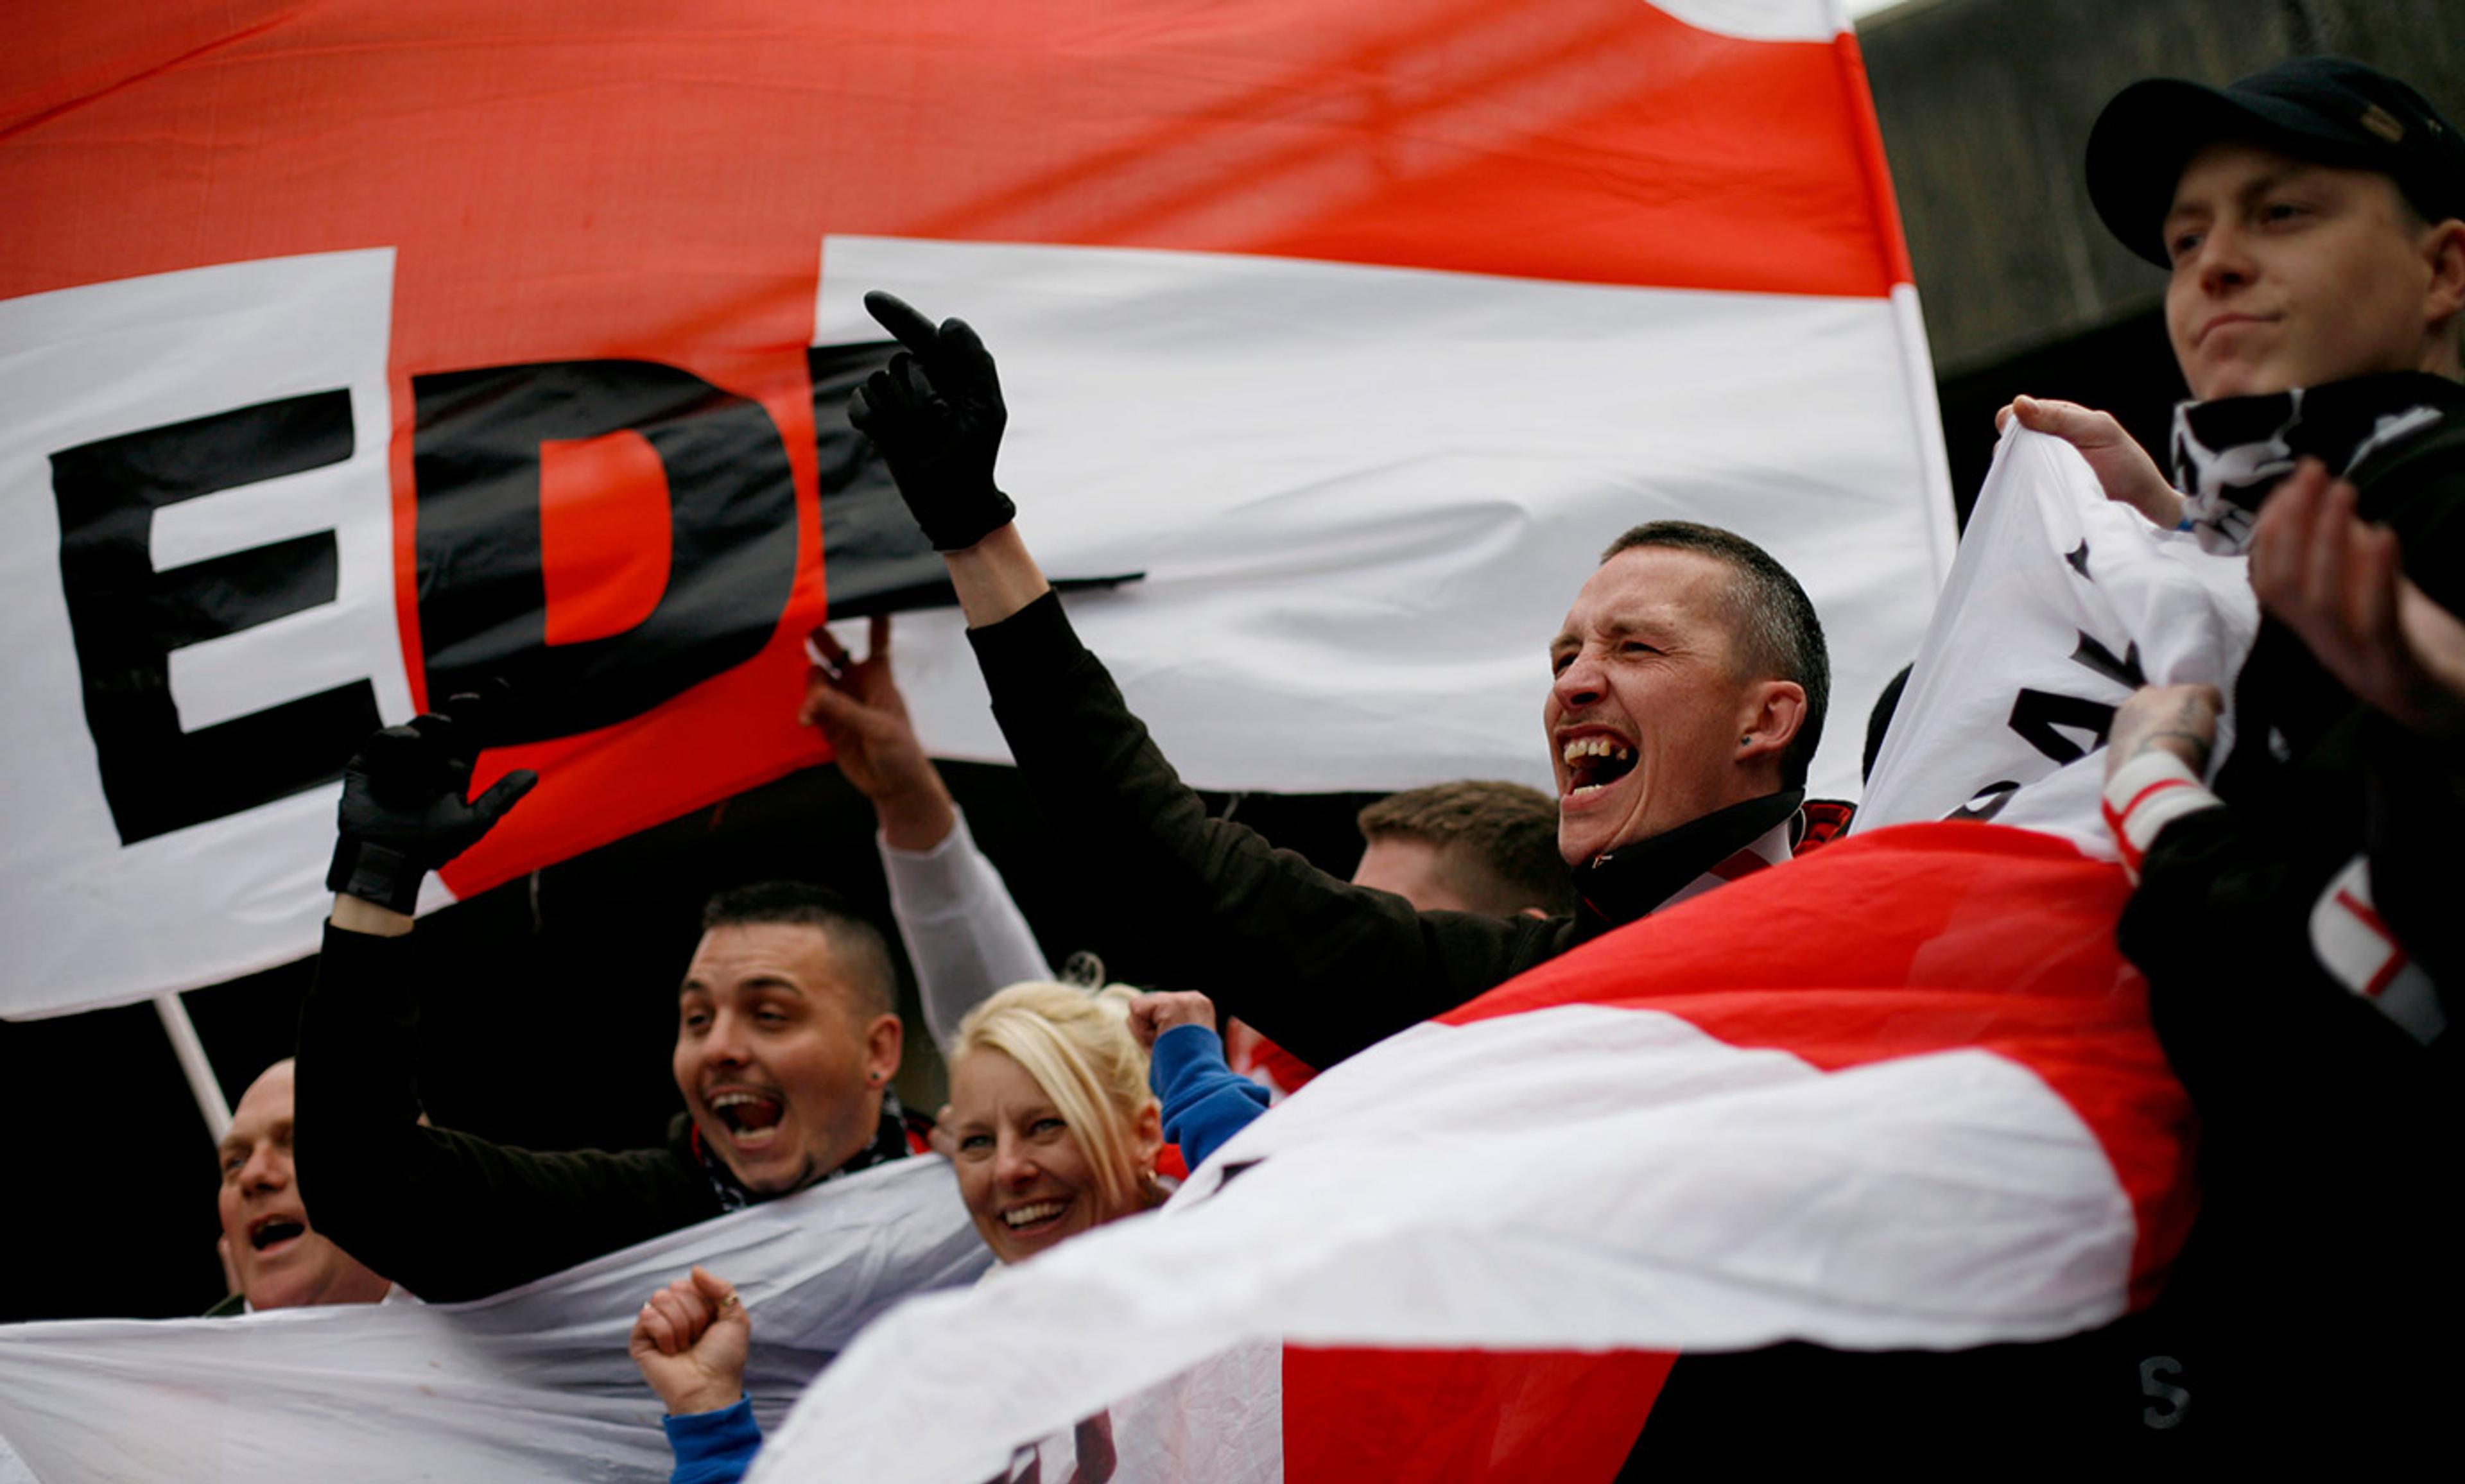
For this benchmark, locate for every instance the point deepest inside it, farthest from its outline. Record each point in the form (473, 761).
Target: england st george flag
(357, 352)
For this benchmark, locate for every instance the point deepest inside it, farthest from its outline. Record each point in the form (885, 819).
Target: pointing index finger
(900, 319)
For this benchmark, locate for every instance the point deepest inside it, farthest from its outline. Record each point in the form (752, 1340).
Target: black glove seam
(377, 874)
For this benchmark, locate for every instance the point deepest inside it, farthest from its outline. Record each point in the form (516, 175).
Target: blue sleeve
(714, 1448)
(1205, 1102)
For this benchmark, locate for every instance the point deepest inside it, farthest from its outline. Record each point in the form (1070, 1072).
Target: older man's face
(281, 1264)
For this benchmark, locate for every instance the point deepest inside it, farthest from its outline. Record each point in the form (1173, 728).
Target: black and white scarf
(2229, 452)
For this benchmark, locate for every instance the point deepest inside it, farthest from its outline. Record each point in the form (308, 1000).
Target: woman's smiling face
(1027, 1180)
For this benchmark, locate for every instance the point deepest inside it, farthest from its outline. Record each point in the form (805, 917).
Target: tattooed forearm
(2198, 744)
(2177, 718)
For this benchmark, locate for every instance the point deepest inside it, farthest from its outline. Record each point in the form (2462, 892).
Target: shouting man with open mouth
(1689, 696)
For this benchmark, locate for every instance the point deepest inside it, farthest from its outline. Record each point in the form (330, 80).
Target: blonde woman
(1050, 1125)
(1052, 1130)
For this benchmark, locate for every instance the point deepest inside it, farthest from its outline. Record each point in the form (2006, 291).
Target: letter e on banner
(197, 534)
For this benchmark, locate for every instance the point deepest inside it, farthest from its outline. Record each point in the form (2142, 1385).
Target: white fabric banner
(1579, 1177)
(1353, 332)
(1785, 1157)
(1471, 443)
(1363, 498)
(110, 891)
(2060, 605)
(530, 1384)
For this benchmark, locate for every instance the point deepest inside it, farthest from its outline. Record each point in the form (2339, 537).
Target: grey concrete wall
(1986, 107)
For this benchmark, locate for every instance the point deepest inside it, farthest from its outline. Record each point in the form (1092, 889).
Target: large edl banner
(351, 355)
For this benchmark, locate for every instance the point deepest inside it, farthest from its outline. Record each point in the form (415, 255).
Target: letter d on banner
(484, 589)
(196, 615)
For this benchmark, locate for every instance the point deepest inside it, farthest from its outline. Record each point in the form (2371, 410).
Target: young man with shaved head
(1679, 726)
(787, 1040)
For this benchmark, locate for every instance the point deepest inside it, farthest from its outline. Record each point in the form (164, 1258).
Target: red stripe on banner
(532, 167)
(1859, 96)
(1939, 936)
(1703, 126)
(405, 546)
(654, 186)
(1464, 1417)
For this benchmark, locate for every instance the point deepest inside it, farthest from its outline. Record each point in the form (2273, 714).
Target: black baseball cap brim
(2144, 139)
(2330, 110)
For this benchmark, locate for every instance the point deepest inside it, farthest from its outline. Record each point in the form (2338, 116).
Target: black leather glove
(403, 813)
(935, 413)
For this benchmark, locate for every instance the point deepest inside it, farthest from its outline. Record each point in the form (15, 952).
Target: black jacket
(452, 1216)
(1326, 968)
(1322, 966)
(2221, 920)
(2330, 1154)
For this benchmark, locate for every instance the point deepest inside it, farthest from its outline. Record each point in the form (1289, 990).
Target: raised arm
(964, 934)
(2124, 468)
(937, 415)
(856, 706)
(690, 1341)
(964, 937)
(447, 1215)
(1205, 1102)
(404, 814)
(1322, 967)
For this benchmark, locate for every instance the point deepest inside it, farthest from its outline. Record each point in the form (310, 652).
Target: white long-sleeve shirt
(965, 935)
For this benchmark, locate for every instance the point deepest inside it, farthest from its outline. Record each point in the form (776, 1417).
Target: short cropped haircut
(1076, 1045)
(1497, 842)
(1772, 621)
(856, 944)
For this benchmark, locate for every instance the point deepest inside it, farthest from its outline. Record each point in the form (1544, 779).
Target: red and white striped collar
(1642, 877)
(1770, 848)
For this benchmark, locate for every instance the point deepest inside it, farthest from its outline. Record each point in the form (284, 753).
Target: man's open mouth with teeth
(750, 1114)
(1593, 761)
(266, 1233)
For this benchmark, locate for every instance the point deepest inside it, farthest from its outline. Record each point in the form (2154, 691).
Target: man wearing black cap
(2309, 217)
